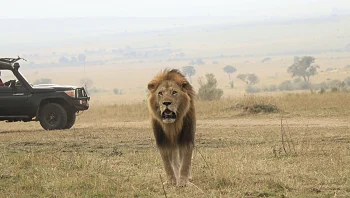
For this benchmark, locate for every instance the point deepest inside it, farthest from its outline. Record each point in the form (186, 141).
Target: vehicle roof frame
(6, 66)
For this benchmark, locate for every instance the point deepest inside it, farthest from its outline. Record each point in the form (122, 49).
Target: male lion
(173, 121)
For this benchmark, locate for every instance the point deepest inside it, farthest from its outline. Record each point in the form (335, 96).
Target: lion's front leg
(185, 168)
(167, 161)
(175, 162)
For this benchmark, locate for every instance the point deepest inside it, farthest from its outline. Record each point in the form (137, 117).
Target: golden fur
(171, 106)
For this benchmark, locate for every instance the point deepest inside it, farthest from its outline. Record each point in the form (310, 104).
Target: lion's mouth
(168, 116)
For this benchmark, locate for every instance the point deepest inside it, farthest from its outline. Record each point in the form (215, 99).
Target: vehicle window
(5, 78)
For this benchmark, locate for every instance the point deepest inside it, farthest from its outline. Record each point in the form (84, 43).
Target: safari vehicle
(54, 106)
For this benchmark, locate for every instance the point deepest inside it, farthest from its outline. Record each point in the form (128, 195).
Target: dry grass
(111, 152)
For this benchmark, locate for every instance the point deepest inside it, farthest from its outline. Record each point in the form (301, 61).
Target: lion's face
(171, 102)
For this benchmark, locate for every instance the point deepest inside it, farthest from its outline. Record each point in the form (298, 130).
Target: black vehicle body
(20, 101)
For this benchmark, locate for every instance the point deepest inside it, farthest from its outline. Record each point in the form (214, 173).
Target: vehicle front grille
(80, 92)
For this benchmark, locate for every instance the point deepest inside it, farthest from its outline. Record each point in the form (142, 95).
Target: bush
(117, 91)
(262, 108)
(322, 85)
(297, 80)
(270, 88)
(322, 91)
(273, 88)
(330, 69)
(347, 81)
(334, 83)
(256, 104)
(334, 89)
(232, 84)
(208, 90)
(252, 89)
(43, 81)
(302, 85)
(286, 86)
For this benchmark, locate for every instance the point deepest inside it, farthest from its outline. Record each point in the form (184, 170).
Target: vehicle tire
(53, 116)
(71, 117)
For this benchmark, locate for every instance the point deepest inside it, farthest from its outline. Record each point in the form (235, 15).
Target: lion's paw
(171, 182)
(183, 182)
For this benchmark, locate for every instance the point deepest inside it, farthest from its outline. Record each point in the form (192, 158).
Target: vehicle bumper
(82, 104)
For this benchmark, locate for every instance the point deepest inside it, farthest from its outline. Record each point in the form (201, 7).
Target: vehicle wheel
(53, 116)
(71, 116)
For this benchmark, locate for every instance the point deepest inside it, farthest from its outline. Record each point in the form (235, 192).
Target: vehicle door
(13, 99)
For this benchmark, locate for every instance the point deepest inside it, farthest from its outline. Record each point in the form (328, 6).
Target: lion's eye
(174, 92)
(160, 93)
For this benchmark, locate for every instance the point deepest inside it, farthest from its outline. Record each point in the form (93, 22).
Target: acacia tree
(303, 68)
(252, 79)
(189, 71)
(229, 70)
(249, 79)
(242, 77)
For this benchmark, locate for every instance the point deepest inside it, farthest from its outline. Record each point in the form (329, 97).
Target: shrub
(334, 83)
(252, 89)
(262, 108)
(117, 91)
(322, 85)
(256, 104)
(232, 84)
(302, 85)
(322, 91)
(330, 69)
(270, 88)
(347, 81)
(297, 80)
(208, 90)
(334, 89)
(265, 89)
(286, 86)
(43, 81)
(273, 88)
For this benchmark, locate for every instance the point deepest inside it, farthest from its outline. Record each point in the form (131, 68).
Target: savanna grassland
(300, 149)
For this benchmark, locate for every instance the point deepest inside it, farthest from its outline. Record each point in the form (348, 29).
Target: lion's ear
(185, 85)
(152, 86)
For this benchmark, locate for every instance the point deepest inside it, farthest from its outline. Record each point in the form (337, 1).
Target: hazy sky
(248, 9)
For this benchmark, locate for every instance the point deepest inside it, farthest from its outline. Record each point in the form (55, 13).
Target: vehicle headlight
(70, 93)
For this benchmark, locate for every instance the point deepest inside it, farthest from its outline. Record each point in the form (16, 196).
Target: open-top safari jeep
(54, 106)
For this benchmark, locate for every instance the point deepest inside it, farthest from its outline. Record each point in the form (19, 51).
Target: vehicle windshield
(25, 78)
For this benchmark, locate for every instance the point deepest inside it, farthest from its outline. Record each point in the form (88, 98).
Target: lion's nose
(166, 103)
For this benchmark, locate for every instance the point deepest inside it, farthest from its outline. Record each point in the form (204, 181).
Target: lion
(173, 119)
